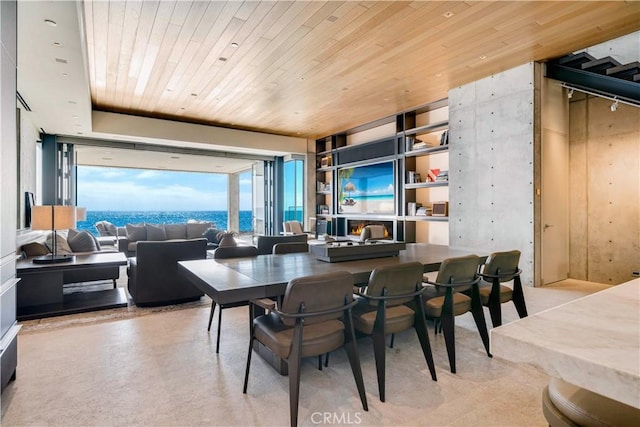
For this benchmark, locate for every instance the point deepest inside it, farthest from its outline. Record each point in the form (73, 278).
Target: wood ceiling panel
(313, 68)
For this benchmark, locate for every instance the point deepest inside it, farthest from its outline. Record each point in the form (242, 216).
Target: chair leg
(447, 323)
(494, 304)
(518, 297)
(393, 336)
(294, 361)
(115, 285)
(246, 372)
(420, 326)
(354, 360)
(379, 346)
(326, 360)
(219, 326)
(478, 317)
(320, 362)
(213, 309)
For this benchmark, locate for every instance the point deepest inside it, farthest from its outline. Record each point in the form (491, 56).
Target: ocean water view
(121, 218)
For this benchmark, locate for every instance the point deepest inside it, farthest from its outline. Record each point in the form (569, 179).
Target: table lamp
(53, 218)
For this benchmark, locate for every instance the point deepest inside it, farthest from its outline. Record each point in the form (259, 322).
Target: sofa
(154, 278)
(265, 243)
(136, 233)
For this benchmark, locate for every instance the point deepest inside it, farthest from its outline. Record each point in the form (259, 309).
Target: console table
(40, 290)
(592, 342)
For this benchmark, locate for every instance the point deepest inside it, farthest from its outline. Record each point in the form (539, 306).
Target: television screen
(367, 189)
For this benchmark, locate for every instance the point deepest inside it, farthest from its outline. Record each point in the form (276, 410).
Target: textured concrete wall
(491, 167)
(605, 191)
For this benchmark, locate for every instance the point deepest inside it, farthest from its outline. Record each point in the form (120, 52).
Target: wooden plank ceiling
(313, 68)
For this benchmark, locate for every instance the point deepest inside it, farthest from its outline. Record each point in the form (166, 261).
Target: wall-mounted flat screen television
(367, 189)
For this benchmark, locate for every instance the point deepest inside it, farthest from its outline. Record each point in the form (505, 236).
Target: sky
(120, 189)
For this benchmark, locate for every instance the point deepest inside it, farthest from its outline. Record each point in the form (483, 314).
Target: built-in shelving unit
(419, 151)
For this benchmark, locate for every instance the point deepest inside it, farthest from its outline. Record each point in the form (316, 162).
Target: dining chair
(381, 311)
(290, 248)
(444, 300)
(314, 318)
(372, 232)
(223, 253)
(502, 267)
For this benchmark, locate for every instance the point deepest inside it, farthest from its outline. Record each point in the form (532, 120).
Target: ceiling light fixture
(222, 58)
(614, 106)
(50, 22)
(483, 57)
(57, 44)
(570, 94)
(234, 44)
(448, 14)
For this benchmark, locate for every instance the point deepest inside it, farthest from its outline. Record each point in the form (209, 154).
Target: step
(600, 65)
(626, 71)
(574, 60)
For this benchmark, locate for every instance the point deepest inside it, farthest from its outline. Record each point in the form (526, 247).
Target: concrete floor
(161, 369)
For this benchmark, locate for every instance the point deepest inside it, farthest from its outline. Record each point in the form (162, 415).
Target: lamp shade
(81, 214)
(53, 217)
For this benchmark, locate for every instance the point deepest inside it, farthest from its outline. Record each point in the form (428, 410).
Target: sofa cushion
(196, 230)
(155, 232)
(81, 241)
(105, 228)
(136, 232)
(212, 235)
(62, 247)
(175, 231)
(35, 249)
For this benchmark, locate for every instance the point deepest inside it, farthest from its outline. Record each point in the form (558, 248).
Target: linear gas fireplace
(355, 226)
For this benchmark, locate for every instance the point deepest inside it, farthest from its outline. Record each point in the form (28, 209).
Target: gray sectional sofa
(136, 233)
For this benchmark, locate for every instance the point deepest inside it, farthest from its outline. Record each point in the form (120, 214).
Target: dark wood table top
(103, 259)
(240, 279)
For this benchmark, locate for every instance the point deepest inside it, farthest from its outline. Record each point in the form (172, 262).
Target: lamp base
(53, 259)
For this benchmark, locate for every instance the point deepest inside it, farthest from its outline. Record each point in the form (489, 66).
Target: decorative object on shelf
(440, 208)
(433, 175)
(323, 209)
(443, 176)
(422, 211)
(444, 138)
(54, 218)
(412, 208)
(411, 141)
(419, 145)
(413, 177)
(325, 162)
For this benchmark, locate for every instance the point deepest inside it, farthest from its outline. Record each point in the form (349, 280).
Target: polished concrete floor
(161, 369)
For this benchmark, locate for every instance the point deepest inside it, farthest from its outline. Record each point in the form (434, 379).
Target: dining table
(235, 280)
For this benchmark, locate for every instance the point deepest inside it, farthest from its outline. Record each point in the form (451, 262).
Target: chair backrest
(293, 227)
(318, 293)
(401, 279)
(290, 248)
(223, 252)
(507, 262)
(372, 232)
(458, 270)
(265, 243)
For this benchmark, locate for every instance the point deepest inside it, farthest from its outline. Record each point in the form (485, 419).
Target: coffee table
(40, 290)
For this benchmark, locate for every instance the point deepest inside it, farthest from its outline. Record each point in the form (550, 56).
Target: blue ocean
(120, 218)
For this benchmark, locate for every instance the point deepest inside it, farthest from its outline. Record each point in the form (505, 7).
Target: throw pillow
(155, 232)
(136, 232)
(175, 231)
(212, 235)
(81, 241)
(196, 230)
(34, 249)
(61, 244)
(71, 233)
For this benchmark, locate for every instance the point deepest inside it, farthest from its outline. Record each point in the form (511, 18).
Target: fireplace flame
(356, 230)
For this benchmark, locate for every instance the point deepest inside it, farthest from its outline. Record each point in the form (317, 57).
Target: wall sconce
(53, 218)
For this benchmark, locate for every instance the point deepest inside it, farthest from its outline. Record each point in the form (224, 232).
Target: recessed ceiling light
(61, 60)
(448, 14)
(107, 158)
(332, 18)
(234, 44)
(57, 44)
(194, 94)
(483, 57)
(72, 102)
(182, 108)
(222, 58)
(65, 74)
(79, 133)
(439, 75)
(175, 157)
(50, 22)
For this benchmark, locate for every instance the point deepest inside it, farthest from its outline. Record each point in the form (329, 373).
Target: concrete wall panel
(491, 164)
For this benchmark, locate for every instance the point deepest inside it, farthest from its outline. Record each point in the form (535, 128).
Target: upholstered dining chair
(372, 232)
(222, 253)
(290, 248)
(445, 300)
(292, 227)
(381, 311)
(502, 267)
(314, 318)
